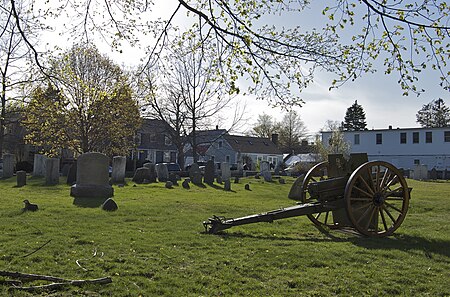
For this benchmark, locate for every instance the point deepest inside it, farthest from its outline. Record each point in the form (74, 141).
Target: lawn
(154, 244)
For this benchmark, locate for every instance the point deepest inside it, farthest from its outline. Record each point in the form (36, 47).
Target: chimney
(390, 127)
(275, 138)
(217, 127)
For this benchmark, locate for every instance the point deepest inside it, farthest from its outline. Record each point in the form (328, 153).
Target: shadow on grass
(88, 202)
(406, 243)
(226, 235)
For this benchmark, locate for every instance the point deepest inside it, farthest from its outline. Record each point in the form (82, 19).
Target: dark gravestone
(282, 181)
(209, 173)
(152, 176)
(195, 174)
(65, 169)
(236, 180)
(433, 174)
(52, 171)
(142, 174)
(173, 178)
(72, 174)
(247, 187)
(227, 185)
(109, 205)
(162, 172)
(296, 189)
(185, 184)
(169, 184)
(219, 179)
(21, 178)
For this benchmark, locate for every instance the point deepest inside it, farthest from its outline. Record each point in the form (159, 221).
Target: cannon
(371, 198)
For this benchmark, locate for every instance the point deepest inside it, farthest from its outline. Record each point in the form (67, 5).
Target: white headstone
(52, 171)
(118, 169)
(226, 171)
(39, 165)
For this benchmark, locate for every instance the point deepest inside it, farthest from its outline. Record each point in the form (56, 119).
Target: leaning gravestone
(52, 171)
(195, 174)
(141, 175)
(118, 170)
(227, 185)
(39, 165)
(21, 178)
(72, 175)
(209, 173)
(226, 172)
(265, 171)
(92, 177)
(162, 172)
(296, 189)
(152, 175)
(8, 165)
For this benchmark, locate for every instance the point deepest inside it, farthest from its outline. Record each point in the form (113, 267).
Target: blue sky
(380, 95)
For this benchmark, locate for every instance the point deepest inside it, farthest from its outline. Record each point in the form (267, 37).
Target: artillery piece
(370, 197)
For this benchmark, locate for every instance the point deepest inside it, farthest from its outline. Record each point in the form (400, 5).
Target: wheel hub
(378, 199)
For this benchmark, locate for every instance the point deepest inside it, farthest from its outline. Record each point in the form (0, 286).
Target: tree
(407, 37)
(291, 131)
(355, 118)
(434, 114)
(265, 126)
(336, 143)
(91, 110)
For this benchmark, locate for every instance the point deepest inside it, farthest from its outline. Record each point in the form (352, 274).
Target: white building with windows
(404, 148)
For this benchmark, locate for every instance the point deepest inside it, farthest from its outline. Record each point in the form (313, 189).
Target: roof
(153, 134)
(248, 144)
(209, 136)
(390, 129)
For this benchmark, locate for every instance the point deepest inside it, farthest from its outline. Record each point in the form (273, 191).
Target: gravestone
(8, 165)
(247, 187)
(226, 172)
(72, 175)
(227, 185)
(240, 168)
(173, 178)
(21, 178)
(236, 180)
(265, 171)
(185, 184)
(219, 179)
(65, 169)
(296, 189)
(109, 205)
(39, 165)
(141, 175)
(152, 174)
(169, 184)
(210, 172)
(92, 177)
(282, 181)
(420, 172)
(195, 174)
(433, 174)
(162, 172)
(52, 171)
(118, 170)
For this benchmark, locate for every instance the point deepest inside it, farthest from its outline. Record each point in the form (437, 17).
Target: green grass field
(154, 245)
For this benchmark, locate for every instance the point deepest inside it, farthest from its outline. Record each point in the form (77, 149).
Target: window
(220, 144)
(403, 137)
(356, 140)
(138, 138)
(415, 137)
(416, 162)
(428, 137)
(446, 136)
(227, 159)
(379, 138)
(167, 140)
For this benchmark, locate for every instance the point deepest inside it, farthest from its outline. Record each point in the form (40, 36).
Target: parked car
(173, 167)
(201, 165)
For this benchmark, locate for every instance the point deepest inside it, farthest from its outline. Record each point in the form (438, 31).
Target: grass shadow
(88, 202)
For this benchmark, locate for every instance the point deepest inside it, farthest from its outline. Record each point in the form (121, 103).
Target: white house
(404, 148)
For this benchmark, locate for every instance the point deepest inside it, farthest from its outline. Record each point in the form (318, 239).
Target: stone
(210, 173)
(195, 174)
(282, 181)
(265, 171)
(296, 189)
(39, 165)
(173, 178)
(21, 178)
(152, 177)
(226, 172)
(185, 184)
(162, 172)
(8, 165)
(236, 180)
(169, 184)
(92, 177)
(433, 175)
(219, 179)
(240, 168)
(420, 172)
(72, 175)
(257, 176)
(141, 175)
(227, 185)
(118, 170)
(109, 205)
(52, 171)
(65, 170)
(247, 187)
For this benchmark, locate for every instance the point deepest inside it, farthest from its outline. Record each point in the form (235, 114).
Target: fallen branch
(29, 254)
(26, 276)
(103, 280)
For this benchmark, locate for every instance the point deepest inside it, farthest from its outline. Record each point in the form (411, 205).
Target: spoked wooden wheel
(317, 173)
(377, 198)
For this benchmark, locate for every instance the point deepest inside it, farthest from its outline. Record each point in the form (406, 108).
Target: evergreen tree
(434, 114)
(355, 118)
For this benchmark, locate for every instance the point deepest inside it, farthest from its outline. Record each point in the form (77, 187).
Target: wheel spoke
(394, 207)
(386, 177)
(363, 215)
(362, 191)
(383, 219)
(374, 210)
(393, 181)
(389, 214)
(377, 178)
(398, 192)
(367, 185)
(365, 205)
(326, 217)
(361, 199)
(318, 215)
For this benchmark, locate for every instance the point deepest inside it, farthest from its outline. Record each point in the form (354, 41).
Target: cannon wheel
(315, 174)
(377, 198)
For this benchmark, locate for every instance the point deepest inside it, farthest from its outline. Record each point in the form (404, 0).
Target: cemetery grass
(154, 244)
